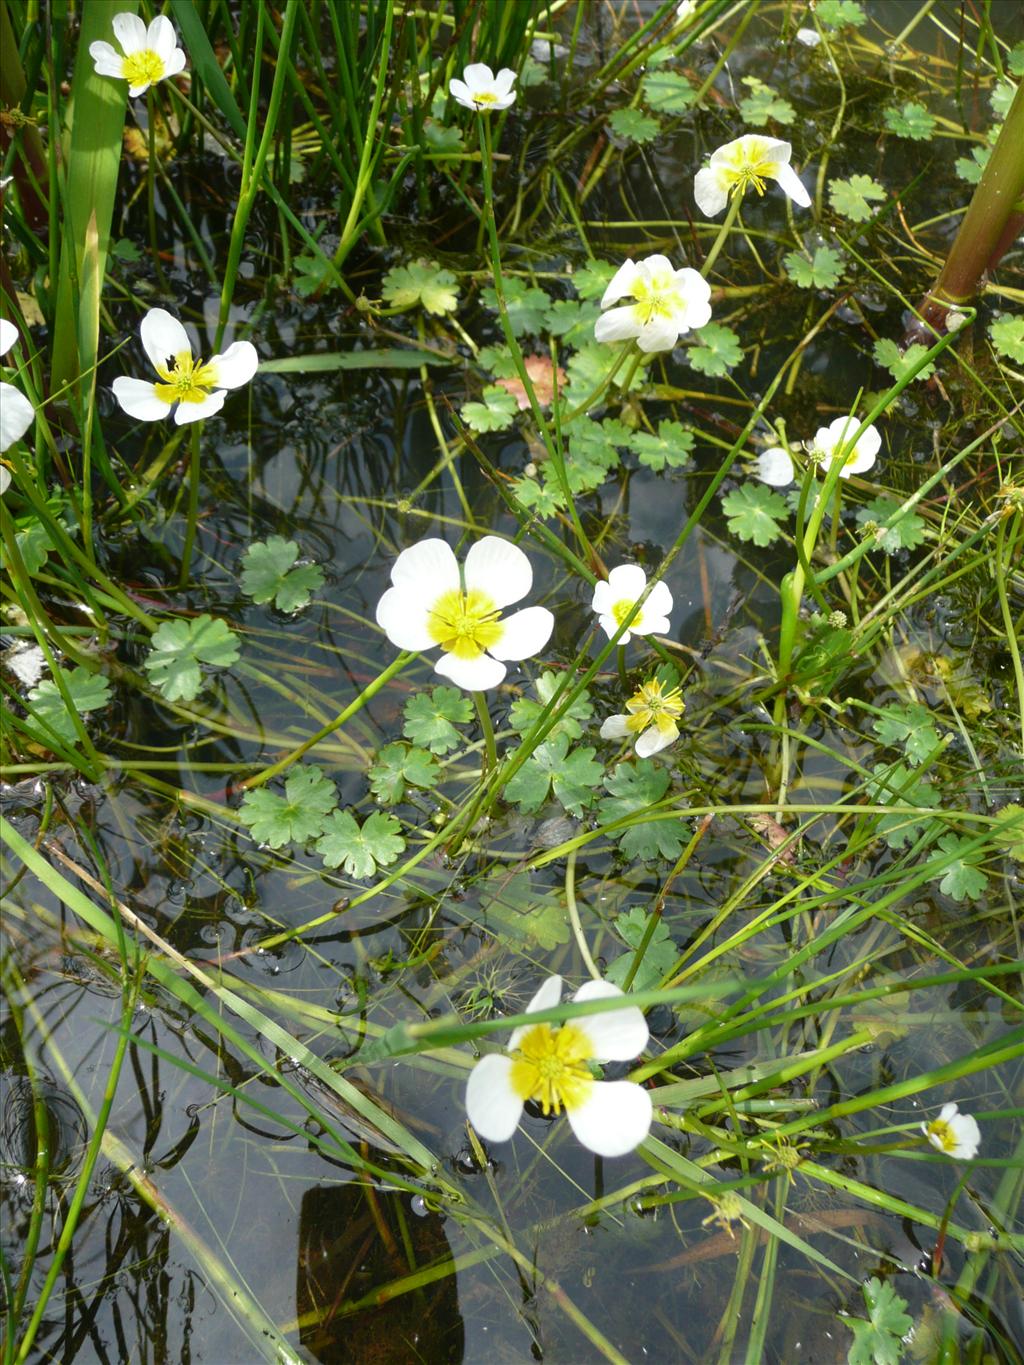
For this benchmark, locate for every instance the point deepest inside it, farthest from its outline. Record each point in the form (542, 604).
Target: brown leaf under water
(542, 376)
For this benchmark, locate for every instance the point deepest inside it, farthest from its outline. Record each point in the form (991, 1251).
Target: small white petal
(174, 63)
(808, 36)
(493, 1107)
(524, 634)
(112, 60)
(161, 38)
(138, 398)
(620, 286)
(709, 192)
(618, 324)
(163, 336)
(429, 566)
(775, 467)
(402, 614)
(604, 598)
(236, 366)
(186, 413)
(461, 93)
(659, 602)
(499, 569)
(16, 415)
(475, 675)
(616, 727)
(130, 32)
(627, 582)
(661, 334)
(504, 81)
(8, 335)
(654, 739)
(792, 185)
(617, 1036)
(545, 998)
(478, 76)
(609, 625)
(614, 1118)
(5, 483)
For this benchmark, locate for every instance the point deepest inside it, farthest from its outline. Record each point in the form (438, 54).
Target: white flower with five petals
(666, 303)
(147, 55)
(548, 1065)
(432, 605)
(194, 389)
(651, 719)
(615, 597)
(746, 162)
(482, 89)
(956, 1134)
(16, 412)
(831, 440)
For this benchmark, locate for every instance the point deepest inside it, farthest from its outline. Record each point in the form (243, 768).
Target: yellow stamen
(750, 168)
(551, 1067)
(650, 706)
(144, 67)
(465, 624)
(185, 380)
(942, 1134)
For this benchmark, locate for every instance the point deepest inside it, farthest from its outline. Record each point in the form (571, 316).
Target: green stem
(484, 717)
(723, 232)
(1003, 569)
(154, 241)
(574, 918)
(193, 506)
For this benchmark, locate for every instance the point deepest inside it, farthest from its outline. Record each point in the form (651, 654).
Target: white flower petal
(161, 38)
(8, 335)
(654, 739)
(174, 63)
(775, 467)
(771, 148)
(614, 1118)
(621, 284)
(138, 398)
(109, 62)
(616, 727)
(524, 634)
(163, 336)
(186, 413)
(478, 76)
(461, 93)
(16, 415)
(709, 192)
(504, 81)
(5, 483)
(609, 625)
(659, 603)
(475, 675)
(130, 32)
(808, 36)
(402, 614)
(604, 598)
(545, 998)
(627, 582)
(619, 324)
(499, 569)
(648, 624)
(429, 566)
(493, 1107)
(617, 1036)
(235, 367)
(660, 334)
(791, 183)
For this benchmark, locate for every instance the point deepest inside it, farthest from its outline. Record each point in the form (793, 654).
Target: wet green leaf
(572, 776)
(764, 105)
(969, 168)
(896, 784)
(526, 304)
(963, 879)
(668, 92)
(179, 647)
(908, 727)
(633, 125)
(360, 851)
(592, 279)
(297, 816)
(754, 512)
(430, 719)
(268, 575)
(912, 121)
(670, 448)
(659, 956)
(717, 351)
(520, 915)
(421, 282)
(822, 271)
(634, 788)
(838, 13)
(571, 722)
(850, 197)
(398, 765)
(1007, 335)
(495, 412)
(900, 363)
(442, 139)
(905, 534)
(879, 1339)
(89, 692)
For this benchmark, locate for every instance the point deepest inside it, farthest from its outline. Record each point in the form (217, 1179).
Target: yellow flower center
(655, 297)
(941, 1133)
(550, 1067)
(465, 623)
(185, 380)
(750, 167)
(144, 67)
(648, 706)
(483, 98)
(621, 610)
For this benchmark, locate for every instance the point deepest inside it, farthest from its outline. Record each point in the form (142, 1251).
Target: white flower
(484, 90)
(810, 37)
(956, 1134)
(198, 389)
(16, 412)
(667, 303)
(150, 54)
(828, 441)
(775, 466)
(616, 597)
(431, 605)
(747, 161)
(549, 1065)
(685, 11)
(652, 719)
